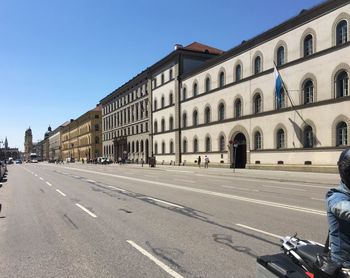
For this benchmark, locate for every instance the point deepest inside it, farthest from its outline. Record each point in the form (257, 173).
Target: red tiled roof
(198, 47)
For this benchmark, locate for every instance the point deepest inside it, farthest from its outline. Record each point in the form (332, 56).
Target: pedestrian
(338, 213)
(206, 161)
(142, 162)
(199, 161)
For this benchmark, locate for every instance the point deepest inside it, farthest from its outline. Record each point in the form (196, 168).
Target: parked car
(3, 169)
(18, 161)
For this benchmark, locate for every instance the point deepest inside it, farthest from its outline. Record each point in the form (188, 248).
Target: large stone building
(81, 138)
(28, 144)
(227, 107)
(127, 114)
(55, 153)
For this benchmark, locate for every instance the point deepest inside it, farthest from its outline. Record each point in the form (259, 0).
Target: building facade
(28, 144)
(81, 138)
(55, 153)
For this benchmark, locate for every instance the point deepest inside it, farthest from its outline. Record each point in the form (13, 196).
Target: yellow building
(81, 138)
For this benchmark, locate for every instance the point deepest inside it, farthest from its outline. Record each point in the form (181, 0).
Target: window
(155, 127)
(195, 145)
(257, 65)
(280, 140)
(195, 89)
(141, 146)
(137, 146)
(163, 147)
(184, 146)
(97, 127)
(184, 94)
(171, 147)
(222, 79)
(257, 141)
(280, 56)
(170, 74)
(341, 134)
(207, 85)
(342, 32)
(156, 148)
(308, 92)
(342, 84)
(308, 137)
(238, 108)
(162, 78)
(97, 140)
(308, 45)
(171, 123)
(184, 120)
(222, 144)
(162, 102)
(133, 147)
(281, 102)
(155, 105)
(154, 83)
(163, 125)
(221, 112)
(207, 115)
(207, 144)
(171, 99)
(195, 118)
(257, 104)
(238, 72)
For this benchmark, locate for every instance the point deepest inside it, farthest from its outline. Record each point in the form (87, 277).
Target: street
(75, 220)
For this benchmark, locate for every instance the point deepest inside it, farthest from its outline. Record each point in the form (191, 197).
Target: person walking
(206, 161)
(199, 161)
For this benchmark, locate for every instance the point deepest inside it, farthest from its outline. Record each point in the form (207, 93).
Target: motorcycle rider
(338, 213)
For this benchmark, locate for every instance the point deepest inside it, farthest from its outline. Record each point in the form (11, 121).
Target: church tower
(28, 143)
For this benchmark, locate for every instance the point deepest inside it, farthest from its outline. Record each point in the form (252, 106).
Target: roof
(199, 47)
(97, 108)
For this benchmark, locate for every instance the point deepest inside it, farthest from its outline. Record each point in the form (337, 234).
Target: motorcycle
(300, 259)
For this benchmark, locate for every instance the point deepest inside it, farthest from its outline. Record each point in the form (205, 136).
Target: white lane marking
(86, 210)
(155, 260)
(259, 231)
(212, 193)
(184, 180)
(281, 187)
(59, 191)
(164, 202)
(316, 199)
(41, 178)
(180, 171)
(49, 184)
(92, 181)
(77, 177)
(243, 189)
(36, 175)
(116, 188)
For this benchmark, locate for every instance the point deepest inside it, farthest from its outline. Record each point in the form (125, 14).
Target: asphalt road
(128, 221)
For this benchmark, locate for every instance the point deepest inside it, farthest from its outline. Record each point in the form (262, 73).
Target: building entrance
(239, 154)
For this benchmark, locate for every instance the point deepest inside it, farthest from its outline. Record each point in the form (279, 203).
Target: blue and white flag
(278, 86)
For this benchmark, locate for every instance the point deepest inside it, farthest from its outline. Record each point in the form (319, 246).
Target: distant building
(28, 144)
(55, 153)
(6, 152)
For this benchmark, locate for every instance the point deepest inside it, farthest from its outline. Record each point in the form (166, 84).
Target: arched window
(238, 108)
(163, 147)
(222, 143)
(342, 134)
(195, 118)
(238, 72)
(195, 145)
(207, 144)
(257, 65)
(133, 147)
(163, 125)
(257, 103)
(141, 146)
(184, 94)
(171, 147)
(184, 146)
(162, 102)
(280, 56)
(171, 99)
(155, 126)
(342, 32)
(342, 84)
(162, 78)
(280, 139)
(308, 45)
(184, 120)
(207, 85)
(308, 91)
(207, 115)
(195, 89)
(281, 102)
(222, 79)
(170, 74)
(129, 149)
(155, 105)
(137, 146)
(171, 123)
(257, 141)
(156, 148)
(221, 112)
(308, 137)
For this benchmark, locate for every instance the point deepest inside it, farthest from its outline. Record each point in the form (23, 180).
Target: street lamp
(234, 144)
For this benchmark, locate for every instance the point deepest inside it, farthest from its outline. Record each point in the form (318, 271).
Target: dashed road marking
(259, 231)
(59, 191)
(41, 178)
(164, 202)
(285, 188)
(86, 210)
(49, 184)
(116, 188)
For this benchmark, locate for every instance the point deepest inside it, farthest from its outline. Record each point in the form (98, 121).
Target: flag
(278, 86)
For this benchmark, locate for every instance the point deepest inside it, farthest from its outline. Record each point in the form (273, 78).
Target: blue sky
(59, 58)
